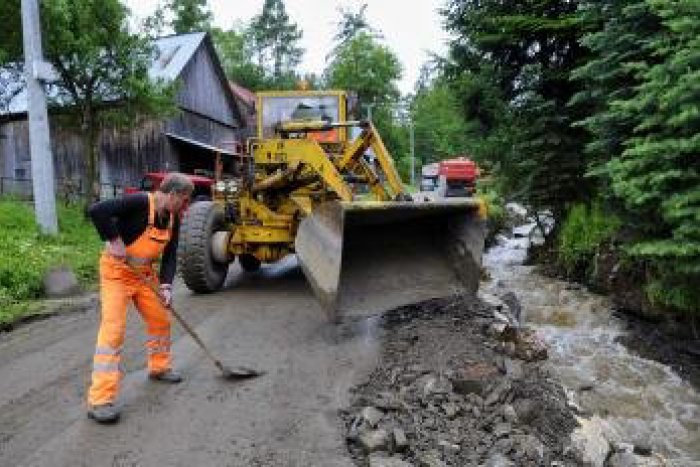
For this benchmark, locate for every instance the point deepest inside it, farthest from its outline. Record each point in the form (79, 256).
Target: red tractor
(457, 177)
(203, 186)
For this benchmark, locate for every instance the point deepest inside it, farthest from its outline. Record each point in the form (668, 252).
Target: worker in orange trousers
(139, 229)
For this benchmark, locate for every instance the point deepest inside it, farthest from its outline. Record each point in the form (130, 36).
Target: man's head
(178, 188)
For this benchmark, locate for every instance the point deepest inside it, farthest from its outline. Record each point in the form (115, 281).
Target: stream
(632, 399)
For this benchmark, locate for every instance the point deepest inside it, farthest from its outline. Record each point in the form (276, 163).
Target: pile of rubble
(460, 383)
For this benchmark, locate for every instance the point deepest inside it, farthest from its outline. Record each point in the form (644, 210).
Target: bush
(26, 254)
(584, 230)
(495, 209)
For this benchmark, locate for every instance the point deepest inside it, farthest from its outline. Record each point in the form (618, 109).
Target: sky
(411, 29)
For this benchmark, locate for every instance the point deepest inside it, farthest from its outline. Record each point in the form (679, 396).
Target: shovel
(234, 374)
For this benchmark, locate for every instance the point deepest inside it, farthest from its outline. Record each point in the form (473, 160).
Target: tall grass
(26, 254)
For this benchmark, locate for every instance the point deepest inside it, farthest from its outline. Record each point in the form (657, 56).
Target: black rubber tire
(197, 266)
(249, 263)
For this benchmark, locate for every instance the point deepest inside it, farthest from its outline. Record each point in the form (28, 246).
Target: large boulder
(60, 282)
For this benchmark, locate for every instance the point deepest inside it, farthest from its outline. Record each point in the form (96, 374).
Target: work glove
(166, 294)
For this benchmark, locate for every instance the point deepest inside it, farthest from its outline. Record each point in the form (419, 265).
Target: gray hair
(178, 183)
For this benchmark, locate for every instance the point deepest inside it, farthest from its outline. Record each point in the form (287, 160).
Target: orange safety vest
(150, 244)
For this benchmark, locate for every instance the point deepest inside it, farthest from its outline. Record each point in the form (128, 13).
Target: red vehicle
(457, 177)
(152, 180)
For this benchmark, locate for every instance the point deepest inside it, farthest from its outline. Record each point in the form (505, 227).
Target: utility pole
(413, 151)
(369, 110)
(36, 71)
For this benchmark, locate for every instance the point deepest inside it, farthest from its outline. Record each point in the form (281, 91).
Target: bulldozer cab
(318, 107)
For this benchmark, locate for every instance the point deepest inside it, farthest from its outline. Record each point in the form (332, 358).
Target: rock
(60, 282)
(491, 300)
(513, 304)
(451, 410)
(387, 400)
(642, 450)
(529, 346)
(501, 318)
(498, 460)
(589, 444)
(430, 459)
(526, 409)
(511, 368)
(436, 385)
(509, 414)
(497, 328)
(448, 446)
(498, 393)
(374, 440)
(628, 459)
(516, 211)
(531, 448)
(371, 416)
(400, 440)
(502, 430)
(377, 460)
(474, 379)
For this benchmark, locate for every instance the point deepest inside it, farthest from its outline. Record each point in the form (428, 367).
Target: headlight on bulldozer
(220, 186)
(232, 186)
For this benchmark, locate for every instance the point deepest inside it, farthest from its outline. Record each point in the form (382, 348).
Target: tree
(275, 42)
(371, 71)
(620, 45)
(367, 68)
(352, 23)
(235, 47)
(11, 67)
(103, 71)
(524, 53)
(190, 16)
(658, 173)
(440, 130)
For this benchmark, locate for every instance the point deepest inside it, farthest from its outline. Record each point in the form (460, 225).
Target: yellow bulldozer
(315, 184)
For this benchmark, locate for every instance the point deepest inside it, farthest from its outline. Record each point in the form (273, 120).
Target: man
(138, 229)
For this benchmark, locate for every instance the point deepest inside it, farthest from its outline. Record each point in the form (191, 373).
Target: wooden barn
(210, 119)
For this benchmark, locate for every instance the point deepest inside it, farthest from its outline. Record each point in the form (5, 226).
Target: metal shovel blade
(362, 258)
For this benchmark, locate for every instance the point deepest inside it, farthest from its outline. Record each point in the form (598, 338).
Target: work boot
(104, 413)
(167, 376)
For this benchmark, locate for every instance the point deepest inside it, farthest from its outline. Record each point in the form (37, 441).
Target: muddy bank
(459, 383)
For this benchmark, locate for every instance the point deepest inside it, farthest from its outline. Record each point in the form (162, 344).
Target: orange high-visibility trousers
(118, 286)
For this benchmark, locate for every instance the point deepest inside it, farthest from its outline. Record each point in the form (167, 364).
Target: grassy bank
(26, 255)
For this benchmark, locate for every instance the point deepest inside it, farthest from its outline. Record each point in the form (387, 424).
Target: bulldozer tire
(249, 263)
(199, 270)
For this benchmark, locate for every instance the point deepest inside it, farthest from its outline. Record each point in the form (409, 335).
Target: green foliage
(235, 49)
(657, 175)
(509, 63)
(26, 255)
(495, 208)
(368, 68)
(190, 16)
(11, 78)
(100, 61)
(585, 229)
(275, 40)
(440, 130)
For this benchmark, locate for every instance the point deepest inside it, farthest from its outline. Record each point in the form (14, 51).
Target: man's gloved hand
(166, 294)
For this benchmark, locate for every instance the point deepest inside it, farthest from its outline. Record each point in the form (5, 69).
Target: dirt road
(268, 320)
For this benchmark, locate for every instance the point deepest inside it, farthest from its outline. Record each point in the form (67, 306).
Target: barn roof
(173, 54)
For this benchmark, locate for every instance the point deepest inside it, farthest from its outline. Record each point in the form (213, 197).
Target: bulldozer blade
(363, 258)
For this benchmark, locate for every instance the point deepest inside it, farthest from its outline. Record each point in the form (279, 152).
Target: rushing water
(637, 401)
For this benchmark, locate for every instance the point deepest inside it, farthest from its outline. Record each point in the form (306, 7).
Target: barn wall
(202, 91)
